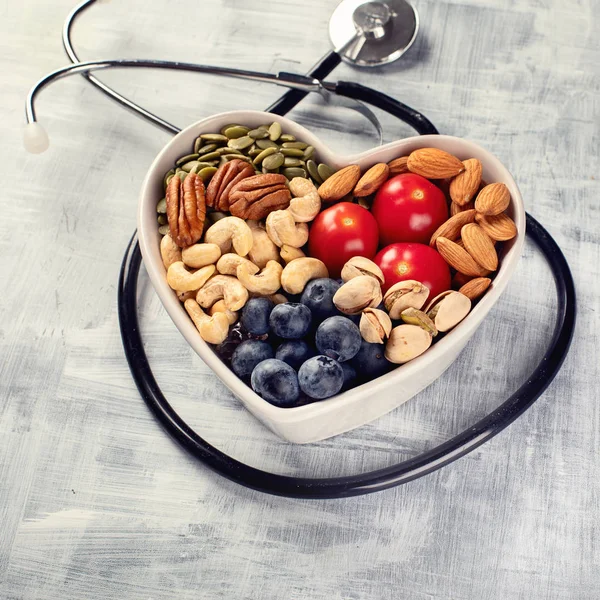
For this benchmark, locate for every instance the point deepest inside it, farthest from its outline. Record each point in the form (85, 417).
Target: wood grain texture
(96, 502)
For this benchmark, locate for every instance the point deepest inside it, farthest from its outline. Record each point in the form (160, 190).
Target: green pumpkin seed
(287, 137)
(325, 171)
(299, 145)
(292, 172)
(274, 131)
(266, 171)
(290, 161)
(161, 207)
(254, 152)
(274, 161)
(264, 153)
(210, 156)
(206, 173)
(258, 134)
(198, 144)
(228, 150)
(309, 152)
(265, 127)
(214, 137)
(262, 144)
(292, 152)
(182, 175)
(199, 166)
(206, 149)
(227, 127)
(162, 219)
(186, 158)
(223, 161)
(168, 176)
(163, 229)
(238, 156)
(311, 167)
(236, 131)
(240, 143)
(189, 166)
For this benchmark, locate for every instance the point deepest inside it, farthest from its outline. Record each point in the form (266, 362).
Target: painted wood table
(97, 502)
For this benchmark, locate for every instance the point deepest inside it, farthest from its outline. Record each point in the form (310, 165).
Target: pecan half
(186, 209)
(226, 176)
(255, 197)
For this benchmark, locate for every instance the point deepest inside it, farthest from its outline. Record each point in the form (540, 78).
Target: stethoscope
(371, 33)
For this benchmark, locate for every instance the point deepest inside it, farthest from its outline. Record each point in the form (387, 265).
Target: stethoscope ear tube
(373, 481)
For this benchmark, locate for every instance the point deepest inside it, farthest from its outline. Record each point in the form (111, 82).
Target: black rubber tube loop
(291, 98)
(340, 487)
(409, 115)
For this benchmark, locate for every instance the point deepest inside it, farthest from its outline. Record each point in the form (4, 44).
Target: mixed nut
(246, 252)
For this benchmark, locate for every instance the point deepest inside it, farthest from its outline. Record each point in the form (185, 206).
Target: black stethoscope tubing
(405, 471)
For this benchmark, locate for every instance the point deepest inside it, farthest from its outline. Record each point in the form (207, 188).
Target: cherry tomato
(341, 232)
(400, 262)
(409, 208)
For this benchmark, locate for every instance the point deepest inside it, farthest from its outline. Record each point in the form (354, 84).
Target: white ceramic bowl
(360, 405)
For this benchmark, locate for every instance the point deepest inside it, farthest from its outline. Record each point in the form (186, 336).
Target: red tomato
(409, 208)
(341, 232)
(400, 262)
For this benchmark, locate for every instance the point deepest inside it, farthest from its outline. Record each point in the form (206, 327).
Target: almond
(498, 227)
(460, 279)
(463, 188)
(475, 288)
(372, 180)
(342, 182)
(492, 199)
(398, 165)
(479, 246)
(434, 163)
(456, 208)
(458, 258)
(451, 228)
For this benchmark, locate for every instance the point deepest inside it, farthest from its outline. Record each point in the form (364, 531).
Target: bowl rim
(148, 236)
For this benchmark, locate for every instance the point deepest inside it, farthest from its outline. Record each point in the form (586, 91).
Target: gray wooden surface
(96, 502)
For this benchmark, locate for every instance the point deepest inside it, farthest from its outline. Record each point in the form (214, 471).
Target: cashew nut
(228, 264)
(181, 280)
(230, 231)
(282, 229)
(288, 253)
(219, 306)
(263, 249)
(183, 296)
(170, 252)
(307, 203)
(299, 272)
(223, 287)
(265, 283)
(200, 255)
(213, 329)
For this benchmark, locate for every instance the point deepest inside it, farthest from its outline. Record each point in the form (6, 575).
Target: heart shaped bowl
(346, 411)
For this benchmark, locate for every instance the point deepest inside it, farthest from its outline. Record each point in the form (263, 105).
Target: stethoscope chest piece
(375, 33)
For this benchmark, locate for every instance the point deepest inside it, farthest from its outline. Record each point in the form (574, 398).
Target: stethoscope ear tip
(35, 138)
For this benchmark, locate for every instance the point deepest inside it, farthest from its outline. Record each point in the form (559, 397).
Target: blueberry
(370, 361)
(321, 377)
(247, 355)
(290, 320)
(255, 315)
(237, 334)
(349, 376)
(338, 338)
(294, 353)
(276, 382)
(318, 296)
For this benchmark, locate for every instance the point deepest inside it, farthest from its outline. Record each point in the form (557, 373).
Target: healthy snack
(307, 281)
